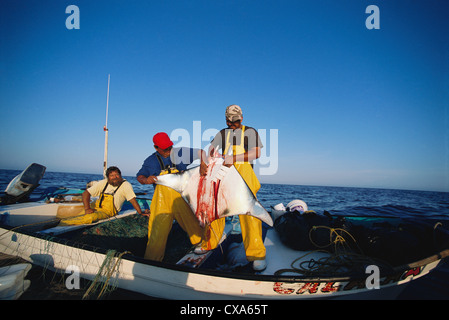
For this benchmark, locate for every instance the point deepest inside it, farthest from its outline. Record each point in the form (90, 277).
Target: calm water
(336, 200)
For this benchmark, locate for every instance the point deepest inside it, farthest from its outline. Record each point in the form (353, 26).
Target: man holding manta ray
(240, 145)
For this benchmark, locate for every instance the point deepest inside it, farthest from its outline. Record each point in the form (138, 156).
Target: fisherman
(112, 192)
(241, 145)
(167, 204)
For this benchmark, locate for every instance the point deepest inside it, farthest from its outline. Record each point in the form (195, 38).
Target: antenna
(106, 131)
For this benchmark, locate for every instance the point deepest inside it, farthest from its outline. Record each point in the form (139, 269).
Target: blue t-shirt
(179, 158)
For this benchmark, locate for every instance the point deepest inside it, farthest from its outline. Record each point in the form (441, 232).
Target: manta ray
(222, 192)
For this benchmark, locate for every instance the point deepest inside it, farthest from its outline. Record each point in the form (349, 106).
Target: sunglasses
(229, 121)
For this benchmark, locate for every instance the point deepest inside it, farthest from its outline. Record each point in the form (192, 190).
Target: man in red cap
(167, 204)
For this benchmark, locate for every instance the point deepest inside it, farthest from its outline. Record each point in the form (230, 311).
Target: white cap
(297, 205)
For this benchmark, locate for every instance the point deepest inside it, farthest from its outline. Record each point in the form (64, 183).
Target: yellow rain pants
(166, 205)
(251, 227)
(107, 210)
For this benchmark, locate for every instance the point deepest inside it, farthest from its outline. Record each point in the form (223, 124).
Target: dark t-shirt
(251, 138)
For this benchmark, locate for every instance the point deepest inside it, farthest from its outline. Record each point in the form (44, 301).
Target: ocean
(336, 200)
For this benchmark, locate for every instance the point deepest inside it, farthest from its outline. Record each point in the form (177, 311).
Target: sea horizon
(261, 181)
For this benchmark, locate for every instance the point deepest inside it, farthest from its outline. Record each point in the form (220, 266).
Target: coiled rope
(341, 261)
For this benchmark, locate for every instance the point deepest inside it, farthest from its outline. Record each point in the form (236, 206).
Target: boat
(21, 187)
(221, 273)
(314, 270)
(12, 281)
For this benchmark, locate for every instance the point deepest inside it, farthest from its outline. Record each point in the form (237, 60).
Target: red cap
(162, 140)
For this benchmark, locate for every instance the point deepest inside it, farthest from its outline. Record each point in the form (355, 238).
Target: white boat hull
(178, 282)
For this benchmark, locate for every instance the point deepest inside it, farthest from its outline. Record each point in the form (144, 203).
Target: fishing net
(125, 234)
(352, 244)
(130, 234)
(113, 238)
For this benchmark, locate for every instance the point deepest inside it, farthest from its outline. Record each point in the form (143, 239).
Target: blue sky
(350, 106)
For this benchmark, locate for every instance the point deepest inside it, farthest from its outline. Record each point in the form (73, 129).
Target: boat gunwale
(224, 274)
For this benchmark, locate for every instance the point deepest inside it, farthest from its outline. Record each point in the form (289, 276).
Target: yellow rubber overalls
(104, 208)
(251, 227)
(166, 205)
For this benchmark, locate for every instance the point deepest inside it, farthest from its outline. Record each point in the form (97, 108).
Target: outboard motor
(20, 188)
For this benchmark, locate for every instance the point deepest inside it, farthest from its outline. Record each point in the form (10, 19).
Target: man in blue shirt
(169, 158)
(167, 204)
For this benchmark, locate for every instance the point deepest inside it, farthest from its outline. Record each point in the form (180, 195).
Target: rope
(104, 273)
(340, 243)
(342, 261)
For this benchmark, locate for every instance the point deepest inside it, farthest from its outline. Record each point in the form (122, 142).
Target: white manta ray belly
(222, 192)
